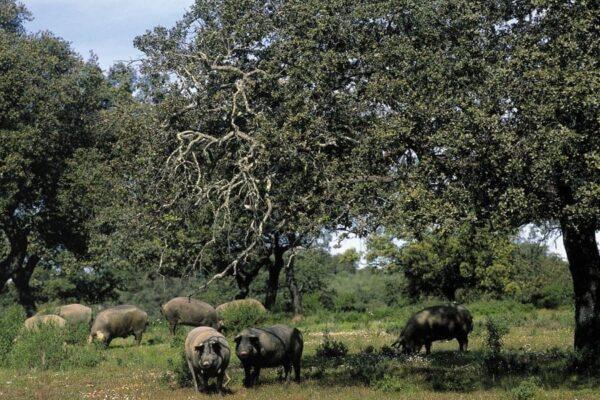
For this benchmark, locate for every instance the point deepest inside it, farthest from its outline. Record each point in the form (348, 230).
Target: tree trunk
(15, 258)
(295, 293)
(21, 280)
(275, 268)
(245, 277)
(584, 263)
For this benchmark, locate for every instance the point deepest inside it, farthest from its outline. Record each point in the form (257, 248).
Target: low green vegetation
(517, 357)
(238, 316)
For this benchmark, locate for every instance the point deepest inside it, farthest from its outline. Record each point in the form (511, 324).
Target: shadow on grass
(454, 371)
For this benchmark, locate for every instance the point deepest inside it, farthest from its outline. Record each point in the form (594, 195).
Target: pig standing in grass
(445, 322)
(275, 346)
(31, 324)
(188, 311)
(207, 354)
(75, 313)
(120, 321)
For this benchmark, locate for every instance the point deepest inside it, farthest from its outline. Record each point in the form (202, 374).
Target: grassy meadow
(535, 362)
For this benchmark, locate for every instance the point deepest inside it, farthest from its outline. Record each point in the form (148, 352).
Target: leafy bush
(496, 329)
(553, 296)
(237, 317)
(179, 372)
(11, 323)
(454, 380)
(330, 348)
(368, 368)
(46, 348)
(348, 301)
(526, 390)
(77, 333)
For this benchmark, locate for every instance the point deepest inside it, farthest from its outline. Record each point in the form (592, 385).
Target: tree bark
(245, 278)
(275, 268)
(21, 279)
(295, 293)
(15, 258)
(584, 264)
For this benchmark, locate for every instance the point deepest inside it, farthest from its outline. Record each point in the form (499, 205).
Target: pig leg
(287, 367)
(138, 337)
(205, 383)
(255, 375)
(220, 386)
(297, 369)
(428, 348)
(247, 376)
(463, 342)
(173, 327)
(194, 376)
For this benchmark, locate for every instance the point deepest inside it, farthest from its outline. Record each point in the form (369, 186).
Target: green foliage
(543, 279)
(330, 348)
(526, 390)
(47, 348)
(11, 323)
(443, 264)
(181, 374)
(77, 334)
(12, 16)
(496, 329)
(367, 368)
(239, 316)
(458, 380)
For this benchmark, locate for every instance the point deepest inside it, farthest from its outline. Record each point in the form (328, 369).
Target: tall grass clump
(237, 317)
(11, 323)
(46, 347)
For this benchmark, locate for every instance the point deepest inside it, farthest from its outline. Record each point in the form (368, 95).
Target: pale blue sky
(106, 27)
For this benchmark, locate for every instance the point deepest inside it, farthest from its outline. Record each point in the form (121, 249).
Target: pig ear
(199, 348)
(253, 338)
(237, 338)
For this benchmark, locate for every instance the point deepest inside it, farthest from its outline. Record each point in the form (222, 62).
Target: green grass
(536, 352)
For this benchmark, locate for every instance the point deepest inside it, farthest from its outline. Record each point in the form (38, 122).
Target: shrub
(47, 348)
(526, 390)
(330, 348)
(77, 333)
(453, 380)
(237, 317)
(368, 368)
(496, 328)
(181, 375)
(493, 361)
(11, 323)
(348, 301)
(552, 296)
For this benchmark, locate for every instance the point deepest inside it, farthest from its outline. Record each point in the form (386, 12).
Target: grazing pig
(120, 321)
(436, 323)
(32, 324)
(188, 311)
(75, 313)
(207, 353)
(269, 347)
